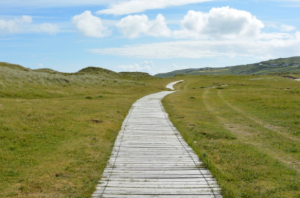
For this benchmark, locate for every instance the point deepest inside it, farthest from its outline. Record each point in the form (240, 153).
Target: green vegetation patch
(57, 130)
(245, 129)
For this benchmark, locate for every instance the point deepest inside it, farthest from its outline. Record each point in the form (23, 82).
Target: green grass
(57, 130)
(245, 129)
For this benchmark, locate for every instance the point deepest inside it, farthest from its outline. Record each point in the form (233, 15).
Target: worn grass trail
(249, 133)
(245, 129)
(151, 159)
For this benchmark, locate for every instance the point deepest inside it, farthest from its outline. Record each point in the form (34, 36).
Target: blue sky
(151, 36)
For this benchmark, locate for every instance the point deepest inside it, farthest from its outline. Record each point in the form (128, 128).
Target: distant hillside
(86, 71)
(13, 66)
(17, 81)
(96, 70)
(46, 70)
(281, 65)
(136, 75)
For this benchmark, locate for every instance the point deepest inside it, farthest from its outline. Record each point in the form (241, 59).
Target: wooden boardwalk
(151, 159)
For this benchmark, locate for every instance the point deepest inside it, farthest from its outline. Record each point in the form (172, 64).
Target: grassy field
(246, 129)
(57, 130)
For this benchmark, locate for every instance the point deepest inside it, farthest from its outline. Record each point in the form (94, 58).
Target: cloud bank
(133, 26)
(287, 28)
(221, 22)
(204, 49)
(25, 24)
(221, 32)
(137, 6)
(145, 66)
(54, 3)
(218, 23)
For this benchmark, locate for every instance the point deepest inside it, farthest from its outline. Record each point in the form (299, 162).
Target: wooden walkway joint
(151, 159)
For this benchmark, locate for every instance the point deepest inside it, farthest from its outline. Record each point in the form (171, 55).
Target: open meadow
(246, 129)
(57, 130)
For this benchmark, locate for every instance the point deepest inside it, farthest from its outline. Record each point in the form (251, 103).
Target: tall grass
(31, 84)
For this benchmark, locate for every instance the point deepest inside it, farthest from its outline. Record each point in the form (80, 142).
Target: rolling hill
(281, 65)
(91, 70)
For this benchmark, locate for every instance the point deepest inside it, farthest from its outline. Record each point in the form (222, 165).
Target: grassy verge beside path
(246, 130)
(57, 130)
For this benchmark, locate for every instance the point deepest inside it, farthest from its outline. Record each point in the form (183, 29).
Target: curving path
(151, 159)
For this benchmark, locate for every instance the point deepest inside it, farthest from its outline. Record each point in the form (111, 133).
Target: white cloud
(159, 27)
(25, 24)
(47, 28)
(109, 22)
(145, 66)
(271, 24)
(90, 25)
(221, 22)
(136, 6)
(13, 26)
(54, 3)
(205, 49)
(134, 25)
(218, 23)
(291, 1)
(275, 35)
(281, 27)
(287, 28)
(298, 35)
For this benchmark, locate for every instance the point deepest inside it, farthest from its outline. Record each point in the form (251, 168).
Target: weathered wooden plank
(153, 166)
(161, 196)
(155, 191)
(170, 160)
(191, 171)
(162, 185)
(127, 153)
(161, 180)
(113, 176)
(159, 183)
